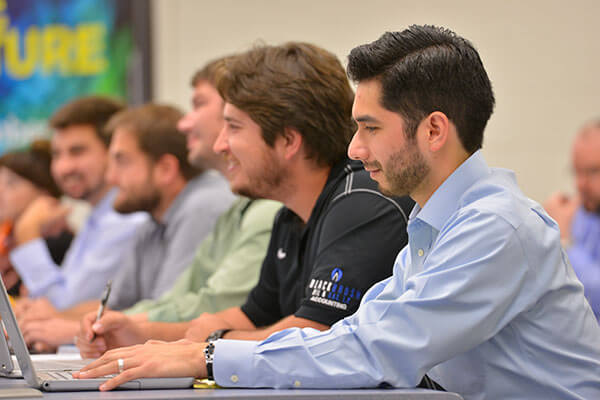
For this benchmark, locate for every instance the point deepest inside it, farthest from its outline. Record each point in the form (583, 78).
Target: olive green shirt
(225, 268)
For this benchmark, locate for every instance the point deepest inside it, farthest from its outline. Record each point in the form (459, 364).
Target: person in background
(287, 126)
(482, 300)
(148, 165)
(24, 177)
(227, 263)
(579, 216)
(79, 161)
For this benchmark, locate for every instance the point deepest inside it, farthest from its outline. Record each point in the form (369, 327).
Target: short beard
(405, 171)
(263, 187)
(593, 210)
(263, 184)
(147, 202)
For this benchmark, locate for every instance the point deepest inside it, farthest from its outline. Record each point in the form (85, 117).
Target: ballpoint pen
(103, 301)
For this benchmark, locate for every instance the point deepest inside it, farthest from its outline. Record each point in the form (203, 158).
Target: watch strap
(209, 354)
(216, 335)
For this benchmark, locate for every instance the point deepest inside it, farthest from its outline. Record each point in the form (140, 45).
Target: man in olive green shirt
(224, 269)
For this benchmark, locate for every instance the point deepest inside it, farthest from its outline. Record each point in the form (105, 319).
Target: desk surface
(237, 394)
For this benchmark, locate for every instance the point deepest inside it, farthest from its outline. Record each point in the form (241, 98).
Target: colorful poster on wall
(52, 51)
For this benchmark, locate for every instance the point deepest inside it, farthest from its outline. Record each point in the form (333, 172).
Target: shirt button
(297, 384)
(234, 378)
(420, 252)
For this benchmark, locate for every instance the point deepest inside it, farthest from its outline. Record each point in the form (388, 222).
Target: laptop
(60, 379)
(9, 367)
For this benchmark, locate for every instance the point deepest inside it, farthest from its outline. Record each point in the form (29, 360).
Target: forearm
(263, 333)
(36, 267)
(77, 312)
(167, 331)
(231, 319)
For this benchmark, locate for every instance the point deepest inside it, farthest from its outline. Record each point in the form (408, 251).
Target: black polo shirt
(320, 271)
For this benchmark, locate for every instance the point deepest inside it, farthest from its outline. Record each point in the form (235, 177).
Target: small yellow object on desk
(205, 384)
(12, 301)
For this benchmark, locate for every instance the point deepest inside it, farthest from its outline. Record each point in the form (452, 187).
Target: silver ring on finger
(121, 365)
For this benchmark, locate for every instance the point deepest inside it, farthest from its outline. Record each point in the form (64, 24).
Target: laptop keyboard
(61, 376)
(54, 365)
(56, 376)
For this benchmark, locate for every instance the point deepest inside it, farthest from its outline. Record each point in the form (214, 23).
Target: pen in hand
(103, 301)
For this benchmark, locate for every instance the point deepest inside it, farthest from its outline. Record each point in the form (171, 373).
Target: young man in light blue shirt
(483, 299)
(79, 161)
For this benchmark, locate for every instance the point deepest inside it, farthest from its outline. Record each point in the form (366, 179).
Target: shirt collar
(104, 206)
(189, 188)
(445, 200)
(337, 172)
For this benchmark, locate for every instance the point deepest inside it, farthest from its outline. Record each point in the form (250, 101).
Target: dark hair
(295, 85)
(91, 110)
(33, 164)
(210, 72)
(155, 128)
(425, 69)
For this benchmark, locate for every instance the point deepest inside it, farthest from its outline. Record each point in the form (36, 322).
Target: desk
(237, 394)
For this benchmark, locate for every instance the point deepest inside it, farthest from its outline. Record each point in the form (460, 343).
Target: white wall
(543, 57)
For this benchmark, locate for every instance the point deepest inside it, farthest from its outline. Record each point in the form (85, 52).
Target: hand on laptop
(113, 330)
(154, 359)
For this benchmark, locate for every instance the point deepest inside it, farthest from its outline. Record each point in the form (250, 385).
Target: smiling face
(79, 161)
(253, 167)
(132, 172)
(392, 158)
(202, 125)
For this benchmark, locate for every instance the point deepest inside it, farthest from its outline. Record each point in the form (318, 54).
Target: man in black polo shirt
(287, 126)
(318, 270)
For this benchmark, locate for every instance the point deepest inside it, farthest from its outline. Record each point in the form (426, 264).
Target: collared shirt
(317, 270)
(164, 249)
(584, 254)
(93, 257)
(224, 269)
(483, 300)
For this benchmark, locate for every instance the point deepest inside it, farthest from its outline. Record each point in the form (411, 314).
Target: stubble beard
(404, 172)
(147, 202)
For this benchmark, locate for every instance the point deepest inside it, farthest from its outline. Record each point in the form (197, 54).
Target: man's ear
(437, 125)
(290, 143)
(166, 169)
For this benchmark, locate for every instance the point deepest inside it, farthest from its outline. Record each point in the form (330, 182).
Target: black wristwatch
(218, 334)
(209, 355)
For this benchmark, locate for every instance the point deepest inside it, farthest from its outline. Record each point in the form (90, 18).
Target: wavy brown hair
(295, 85)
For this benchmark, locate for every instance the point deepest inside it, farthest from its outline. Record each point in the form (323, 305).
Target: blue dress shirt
(584, 255)
(92, 259)
(482, 299)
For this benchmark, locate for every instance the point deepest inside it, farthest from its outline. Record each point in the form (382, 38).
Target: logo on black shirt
(331, 293)
(336, 274)
(281, 254)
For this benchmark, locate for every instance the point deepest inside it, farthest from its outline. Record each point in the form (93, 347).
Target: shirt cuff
(34, 264)
(233, 363)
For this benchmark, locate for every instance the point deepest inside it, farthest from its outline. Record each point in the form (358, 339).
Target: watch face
(218, 334)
